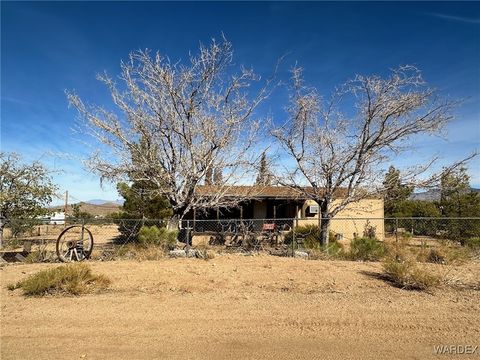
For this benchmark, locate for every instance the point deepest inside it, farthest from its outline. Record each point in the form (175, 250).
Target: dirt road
(239, 307)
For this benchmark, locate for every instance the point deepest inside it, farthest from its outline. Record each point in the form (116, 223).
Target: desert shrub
(205, 253)
(472, 243)
(334, 250)
(129, 227)
(20, 227)
(70, 279)
(12, 243)
(366, 249)
(152, 235)
(446, 253)
(436, 256)
(369, 231)
(311, 235)
(407, 275)
(149, 252)
(11, 287)
(39, 256)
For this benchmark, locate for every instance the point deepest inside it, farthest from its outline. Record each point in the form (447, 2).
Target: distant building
(58, 218)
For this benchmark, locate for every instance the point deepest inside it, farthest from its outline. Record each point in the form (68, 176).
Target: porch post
(274, 212)
(218, 213)
(241, 212)
(296, 214)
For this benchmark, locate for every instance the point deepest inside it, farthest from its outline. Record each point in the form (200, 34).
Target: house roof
(277, 192)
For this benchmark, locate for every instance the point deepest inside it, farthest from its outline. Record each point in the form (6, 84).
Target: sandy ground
(239, 307)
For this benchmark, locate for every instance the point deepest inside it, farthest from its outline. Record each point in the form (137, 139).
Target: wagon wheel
(75, 243)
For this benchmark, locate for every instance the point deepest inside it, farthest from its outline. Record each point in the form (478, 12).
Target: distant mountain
(433, 195)
(103, 202)
(430, 195)
(101, 210)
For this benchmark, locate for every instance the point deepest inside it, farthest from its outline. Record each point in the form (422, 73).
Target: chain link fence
(40, 239)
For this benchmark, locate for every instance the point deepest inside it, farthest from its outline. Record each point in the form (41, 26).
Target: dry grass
(445, 253)
(407, 274)
(130, 251)
(70, 279)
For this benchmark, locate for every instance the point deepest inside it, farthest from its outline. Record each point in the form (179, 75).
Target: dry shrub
(203, 251)
(445, 253)
(408, 275)
(39, 256)
(208, 254)
(148, 253)
(70, 279)
(130, 251)
(436, 256)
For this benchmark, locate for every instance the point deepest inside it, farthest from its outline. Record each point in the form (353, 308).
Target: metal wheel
(75, 243)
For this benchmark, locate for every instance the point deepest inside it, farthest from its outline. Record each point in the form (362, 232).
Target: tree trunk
(324, 231)
(324, 223)
(177, 222)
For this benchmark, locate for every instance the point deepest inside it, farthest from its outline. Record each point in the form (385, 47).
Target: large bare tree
(181, 122)
(340, 156)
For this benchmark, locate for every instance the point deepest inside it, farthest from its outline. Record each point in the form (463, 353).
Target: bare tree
(192, 119)
(341, 157)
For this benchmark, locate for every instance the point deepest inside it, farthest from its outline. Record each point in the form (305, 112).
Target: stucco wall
(353, 219)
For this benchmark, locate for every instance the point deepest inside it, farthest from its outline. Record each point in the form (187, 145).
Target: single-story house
(286, 205)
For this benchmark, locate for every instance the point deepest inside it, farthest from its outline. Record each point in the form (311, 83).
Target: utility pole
(66, 208)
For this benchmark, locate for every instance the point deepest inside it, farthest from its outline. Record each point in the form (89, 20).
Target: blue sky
(49, 47)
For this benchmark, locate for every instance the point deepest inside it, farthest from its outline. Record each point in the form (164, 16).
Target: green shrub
(311, 235)
(334, 250)
(129, 227)
(21, 227)
(407, 275)
(70, 279)
(311, 241)
(366, 249)
(472, 243)
(152, 235)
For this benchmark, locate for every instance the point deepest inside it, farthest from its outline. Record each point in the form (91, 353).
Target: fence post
(187, 233)
(397, 256)
(293, 237)
(396, 230)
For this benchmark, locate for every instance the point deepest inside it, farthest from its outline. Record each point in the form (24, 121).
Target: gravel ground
(240, 307)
